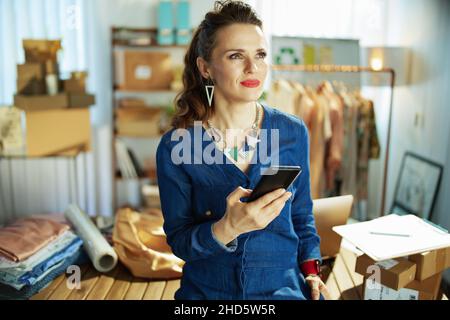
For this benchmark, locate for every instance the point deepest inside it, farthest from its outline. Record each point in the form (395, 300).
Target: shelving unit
(134, 39)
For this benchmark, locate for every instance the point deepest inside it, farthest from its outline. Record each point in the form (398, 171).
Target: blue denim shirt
(262, 264)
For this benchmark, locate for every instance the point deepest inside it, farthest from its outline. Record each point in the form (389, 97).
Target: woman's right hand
(242, 217)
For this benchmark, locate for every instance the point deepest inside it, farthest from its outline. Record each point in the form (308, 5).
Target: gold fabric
(140, 243)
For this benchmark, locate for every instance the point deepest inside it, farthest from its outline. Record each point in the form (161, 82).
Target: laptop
(330, 212)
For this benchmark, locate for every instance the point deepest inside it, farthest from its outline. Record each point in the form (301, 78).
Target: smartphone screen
(274, 178)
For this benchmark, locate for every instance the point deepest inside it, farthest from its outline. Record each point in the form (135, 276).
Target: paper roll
(102, 255)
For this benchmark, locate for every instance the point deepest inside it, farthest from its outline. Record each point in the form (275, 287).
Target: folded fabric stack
(34, 251)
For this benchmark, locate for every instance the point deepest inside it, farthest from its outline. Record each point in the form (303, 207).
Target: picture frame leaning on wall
(417, 186)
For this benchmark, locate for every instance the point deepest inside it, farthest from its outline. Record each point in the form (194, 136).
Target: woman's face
(238, 63)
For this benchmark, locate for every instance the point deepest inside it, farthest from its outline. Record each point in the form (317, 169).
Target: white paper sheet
(102, 255)
(421, 236)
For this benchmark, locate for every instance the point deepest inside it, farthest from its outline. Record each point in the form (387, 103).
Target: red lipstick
(251, 83)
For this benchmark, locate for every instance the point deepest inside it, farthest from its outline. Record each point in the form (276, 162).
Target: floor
(342, 282)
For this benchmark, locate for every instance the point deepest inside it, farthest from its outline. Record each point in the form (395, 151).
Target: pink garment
(317, 145)
(335, 144)
(26, 236)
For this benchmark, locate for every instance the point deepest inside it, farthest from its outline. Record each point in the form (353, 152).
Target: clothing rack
(354, 69)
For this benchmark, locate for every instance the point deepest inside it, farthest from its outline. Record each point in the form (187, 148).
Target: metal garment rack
(354, 69)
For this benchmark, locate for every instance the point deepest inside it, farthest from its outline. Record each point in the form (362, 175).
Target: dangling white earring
(209, 91)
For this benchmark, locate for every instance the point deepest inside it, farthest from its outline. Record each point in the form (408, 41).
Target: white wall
(423, 26)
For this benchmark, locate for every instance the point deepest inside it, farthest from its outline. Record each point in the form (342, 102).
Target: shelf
(121, 46)
(151, 176)
(123, 37)
(124, 40)
(162, 91)
(119, 178)
(137, 137)
(70, 153)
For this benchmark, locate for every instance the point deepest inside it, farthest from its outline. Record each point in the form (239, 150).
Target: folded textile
(46, 252)
(37, 272)
(8, 293)
(26, 236)
(42, 269)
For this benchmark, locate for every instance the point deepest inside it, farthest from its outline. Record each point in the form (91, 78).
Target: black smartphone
(274, 178)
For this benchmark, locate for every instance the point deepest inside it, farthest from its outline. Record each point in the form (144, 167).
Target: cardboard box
(41, 50)
(29, 71)
(394, 273)
(138, 121)
(131, 103)
(76, 83)
(53, 132)
(143, 70)
(138, 129)
(31, 78)
(74, 86)
(416, 290)
(81, 100)
(31, 87)
(152, 114)
(59, 101)
(431, 262)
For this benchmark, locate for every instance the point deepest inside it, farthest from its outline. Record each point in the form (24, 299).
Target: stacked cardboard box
(143, 70)
(31, 78)
(417, 277)
(76, 84)
(135, 118)
(39, 84)
(57, 121)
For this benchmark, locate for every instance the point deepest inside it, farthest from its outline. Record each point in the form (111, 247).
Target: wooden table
(118, 284)
(342, 282)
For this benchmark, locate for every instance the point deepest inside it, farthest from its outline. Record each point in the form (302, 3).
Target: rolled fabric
(102, 255)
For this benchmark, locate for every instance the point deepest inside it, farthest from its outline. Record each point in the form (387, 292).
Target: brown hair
(191, 104)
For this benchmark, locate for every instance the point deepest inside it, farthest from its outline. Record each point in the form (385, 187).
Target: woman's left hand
(317, 287)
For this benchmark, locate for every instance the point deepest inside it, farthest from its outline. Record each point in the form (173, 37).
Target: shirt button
(208, 213)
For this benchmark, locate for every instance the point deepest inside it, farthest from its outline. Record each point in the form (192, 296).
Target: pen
(390, 234)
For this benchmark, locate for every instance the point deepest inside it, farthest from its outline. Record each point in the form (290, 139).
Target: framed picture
(417, 186)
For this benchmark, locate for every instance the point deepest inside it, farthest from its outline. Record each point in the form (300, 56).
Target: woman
(264, 249)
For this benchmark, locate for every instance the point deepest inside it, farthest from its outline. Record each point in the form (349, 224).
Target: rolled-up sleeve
(188, 239)
(302, 205)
